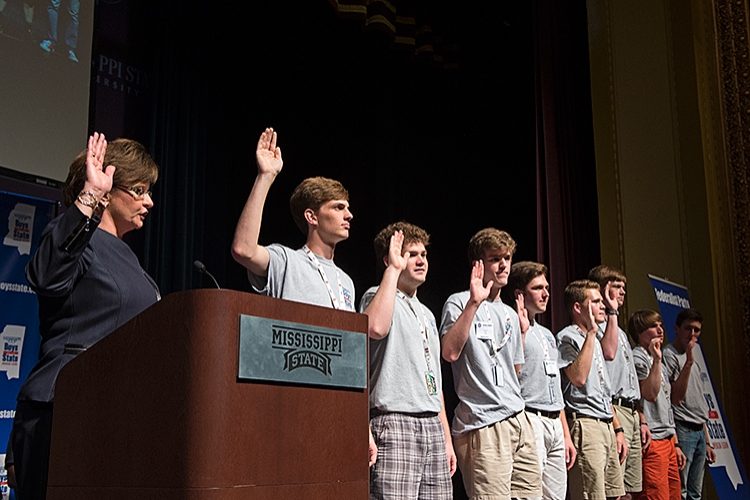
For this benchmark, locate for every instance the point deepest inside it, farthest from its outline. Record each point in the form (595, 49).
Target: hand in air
(98, 178)
(654, 348)
(610, 301)
(478, 292)
(523, 314)
(396, 259)
(267, 154)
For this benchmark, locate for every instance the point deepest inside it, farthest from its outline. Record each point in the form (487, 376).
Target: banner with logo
(22, 220)
(727, 473)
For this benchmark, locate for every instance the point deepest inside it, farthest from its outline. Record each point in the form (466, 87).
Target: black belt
(689, 425)
(626, 403)
(542, 413)
(575, 415)
(425, 414)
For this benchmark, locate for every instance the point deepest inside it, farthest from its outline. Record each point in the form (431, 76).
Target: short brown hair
(576, 292)
(132, 164)
(412, 234)
(313, 193)
(521, 273)
(604, 274)
(489, 239)
(688, 315)
(642, 320)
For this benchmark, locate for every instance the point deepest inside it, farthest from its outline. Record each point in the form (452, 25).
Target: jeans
(71, 31)
(693, 445)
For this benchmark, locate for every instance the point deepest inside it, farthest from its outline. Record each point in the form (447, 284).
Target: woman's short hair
(132, 163)
(313, 193)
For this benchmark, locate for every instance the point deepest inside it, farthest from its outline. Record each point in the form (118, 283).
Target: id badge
(484, 331)
(497, 375)
(431, 383)
(550, 367)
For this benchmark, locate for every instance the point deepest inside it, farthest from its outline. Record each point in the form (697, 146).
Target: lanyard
(598, 357)
(541, 339)
(422, 328)
(338, 302)
(508, 329)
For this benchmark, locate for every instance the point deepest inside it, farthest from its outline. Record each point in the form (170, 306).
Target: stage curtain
(567, 207)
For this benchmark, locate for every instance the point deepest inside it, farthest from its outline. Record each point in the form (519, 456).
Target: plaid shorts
(411, 459)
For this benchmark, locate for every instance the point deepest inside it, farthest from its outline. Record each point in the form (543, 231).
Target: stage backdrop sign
(22, 220)
(727, 472)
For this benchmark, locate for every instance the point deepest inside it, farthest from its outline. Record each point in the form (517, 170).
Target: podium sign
(282, 351)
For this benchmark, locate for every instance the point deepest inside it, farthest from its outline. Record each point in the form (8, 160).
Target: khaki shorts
(500, 461)
(631, 467)
(596, 473)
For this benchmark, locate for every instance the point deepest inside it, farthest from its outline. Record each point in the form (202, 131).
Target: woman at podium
(88, 283)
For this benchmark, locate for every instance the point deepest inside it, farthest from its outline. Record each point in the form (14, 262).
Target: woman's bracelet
(88, 199)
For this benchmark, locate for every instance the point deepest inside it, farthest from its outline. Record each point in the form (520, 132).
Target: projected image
(45, 76)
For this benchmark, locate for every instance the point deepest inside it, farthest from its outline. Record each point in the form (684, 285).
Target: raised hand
(654, 348)
(589, 320)
(689, 354)
(267, 154)
(396, 259)
(523, 314)
(98, 178)
(608, 297)
(478, 292)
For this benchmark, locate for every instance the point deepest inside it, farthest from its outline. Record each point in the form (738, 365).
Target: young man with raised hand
(540, 378)
(481, 338)
(407, 414)
(662, 459)
(622, 374)
(320, 208)
(594, 428)
(688, 403)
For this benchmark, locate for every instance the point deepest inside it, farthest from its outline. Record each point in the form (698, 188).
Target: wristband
(619, 429)
(644, 423)
(610, 312)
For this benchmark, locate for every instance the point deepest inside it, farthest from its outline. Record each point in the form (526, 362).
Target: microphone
(202, 269)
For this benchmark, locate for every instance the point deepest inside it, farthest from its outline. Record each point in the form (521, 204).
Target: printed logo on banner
(20, 227)
(4, 489)
(12, 342)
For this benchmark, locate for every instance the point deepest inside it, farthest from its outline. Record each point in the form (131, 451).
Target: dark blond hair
(412, 234)
(604, 274)
(312, 193)
(132, 162)
(642, 320)
(576, 292)
(490, 239)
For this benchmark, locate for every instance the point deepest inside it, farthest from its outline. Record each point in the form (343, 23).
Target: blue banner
(727, 472)
(19, 323)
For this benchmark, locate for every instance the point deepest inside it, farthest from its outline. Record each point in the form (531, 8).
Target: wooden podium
(156, 411)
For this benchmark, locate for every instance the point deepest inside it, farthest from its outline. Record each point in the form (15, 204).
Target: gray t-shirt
(484, 375)
(292, 275)
(398, 365)
(539, 376)
(621, 370)
(694, 408)
(659, 413)
(594, 398)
